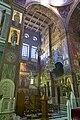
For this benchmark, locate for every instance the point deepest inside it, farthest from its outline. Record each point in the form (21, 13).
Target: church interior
(39, 59)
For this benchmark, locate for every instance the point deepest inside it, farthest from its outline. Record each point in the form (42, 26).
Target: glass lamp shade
(32, 81)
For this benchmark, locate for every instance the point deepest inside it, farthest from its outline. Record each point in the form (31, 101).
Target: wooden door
(20, 103)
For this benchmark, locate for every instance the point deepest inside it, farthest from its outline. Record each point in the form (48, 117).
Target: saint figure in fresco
(17, 19)
(14, 38)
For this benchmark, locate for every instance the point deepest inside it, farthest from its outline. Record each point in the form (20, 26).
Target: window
(34, 38)
(34, 54)
(25, 50)
(26, 35)
(2, 16)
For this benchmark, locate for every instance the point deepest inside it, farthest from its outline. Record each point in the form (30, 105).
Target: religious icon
(16, 18)
(23, 67)
(14, 36)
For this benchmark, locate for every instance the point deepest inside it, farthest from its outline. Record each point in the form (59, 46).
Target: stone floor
(63, 118)
(54, 116)
(57, 114)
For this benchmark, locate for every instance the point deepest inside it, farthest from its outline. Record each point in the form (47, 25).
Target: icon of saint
(14, 38)
(17, 19)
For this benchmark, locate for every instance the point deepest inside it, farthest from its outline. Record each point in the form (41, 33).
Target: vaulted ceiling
(38, 18)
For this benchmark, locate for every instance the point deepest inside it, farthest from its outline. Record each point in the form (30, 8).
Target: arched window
(25, 50)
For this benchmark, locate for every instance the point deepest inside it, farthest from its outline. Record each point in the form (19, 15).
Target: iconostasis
(23, 76)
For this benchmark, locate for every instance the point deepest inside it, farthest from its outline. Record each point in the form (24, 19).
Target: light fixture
(31, 77)
(50, 65)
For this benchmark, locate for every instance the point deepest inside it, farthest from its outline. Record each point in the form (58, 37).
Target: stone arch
(48, 6)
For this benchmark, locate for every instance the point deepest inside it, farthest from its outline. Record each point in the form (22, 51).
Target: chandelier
(39, 50)
(50, 65)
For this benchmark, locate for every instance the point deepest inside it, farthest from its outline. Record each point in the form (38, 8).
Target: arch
(47, 6)
(58, 71)
(59, 61)
(56, 17)
(71, 11)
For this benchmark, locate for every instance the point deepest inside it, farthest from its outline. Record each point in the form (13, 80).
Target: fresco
(9, 71)
(21, 2)
(64, 49)
(14, 36)
(16, 19)
(74, 52)
(57, 53)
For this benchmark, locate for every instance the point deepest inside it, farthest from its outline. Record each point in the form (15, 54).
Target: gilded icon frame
(11, 32)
